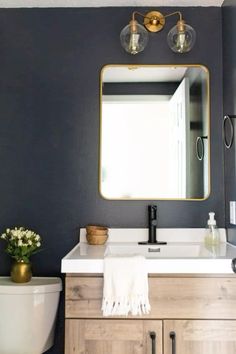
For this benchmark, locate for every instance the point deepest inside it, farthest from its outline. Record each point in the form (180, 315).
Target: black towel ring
(228, 120)
(200, 150)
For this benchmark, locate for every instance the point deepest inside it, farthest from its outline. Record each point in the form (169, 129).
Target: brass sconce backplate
(154, 21)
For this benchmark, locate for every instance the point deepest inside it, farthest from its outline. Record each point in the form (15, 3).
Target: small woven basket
(96, 230)
(96, 235)
(96, 239)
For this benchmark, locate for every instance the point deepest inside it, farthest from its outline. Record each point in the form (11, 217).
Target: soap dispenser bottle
(212, 236)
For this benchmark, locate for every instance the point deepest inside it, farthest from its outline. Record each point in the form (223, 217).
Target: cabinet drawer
(170, 297)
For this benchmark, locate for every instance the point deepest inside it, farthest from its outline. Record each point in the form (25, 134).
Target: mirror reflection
(154, 133)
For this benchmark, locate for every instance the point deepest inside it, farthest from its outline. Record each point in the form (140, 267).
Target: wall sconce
(134, 37)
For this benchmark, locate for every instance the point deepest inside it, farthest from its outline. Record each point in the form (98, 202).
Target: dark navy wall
(229, 67)
(50, 63)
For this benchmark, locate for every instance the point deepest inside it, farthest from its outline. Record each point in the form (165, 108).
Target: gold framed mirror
(154, 132)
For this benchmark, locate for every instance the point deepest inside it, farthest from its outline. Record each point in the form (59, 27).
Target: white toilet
(27, 315)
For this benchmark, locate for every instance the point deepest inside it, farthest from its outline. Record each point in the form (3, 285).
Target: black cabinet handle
(153, 338)
(173, 338)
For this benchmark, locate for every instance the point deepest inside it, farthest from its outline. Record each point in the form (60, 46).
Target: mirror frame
(134, 66)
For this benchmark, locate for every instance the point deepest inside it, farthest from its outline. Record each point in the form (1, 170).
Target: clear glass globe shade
(134, 41)
(181, 41)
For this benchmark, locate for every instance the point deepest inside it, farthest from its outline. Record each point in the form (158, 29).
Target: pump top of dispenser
(211, 221)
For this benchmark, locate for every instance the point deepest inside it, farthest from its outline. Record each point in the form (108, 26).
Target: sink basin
(156, 251)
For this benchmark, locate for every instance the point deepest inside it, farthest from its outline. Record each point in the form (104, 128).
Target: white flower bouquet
(21, 243)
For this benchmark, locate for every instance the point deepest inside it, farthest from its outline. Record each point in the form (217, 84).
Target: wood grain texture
(170, 297)
(111, 336)
(201, 337)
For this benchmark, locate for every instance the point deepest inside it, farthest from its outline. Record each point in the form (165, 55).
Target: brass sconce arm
(153, 17)
(175, 13)
(133, 23)
(137, 13)
(154, 21)
(180, 23)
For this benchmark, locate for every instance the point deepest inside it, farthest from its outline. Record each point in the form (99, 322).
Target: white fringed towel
(125, 287)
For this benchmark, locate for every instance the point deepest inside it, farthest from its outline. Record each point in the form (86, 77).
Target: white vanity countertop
(175, 257)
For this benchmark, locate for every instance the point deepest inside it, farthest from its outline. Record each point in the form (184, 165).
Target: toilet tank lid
(37, 285)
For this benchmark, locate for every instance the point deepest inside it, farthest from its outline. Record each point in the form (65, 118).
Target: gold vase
(21, 272)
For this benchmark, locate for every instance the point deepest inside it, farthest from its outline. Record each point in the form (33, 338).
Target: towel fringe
(137, 306)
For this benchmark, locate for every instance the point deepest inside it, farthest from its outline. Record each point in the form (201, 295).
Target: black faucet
(152, 224)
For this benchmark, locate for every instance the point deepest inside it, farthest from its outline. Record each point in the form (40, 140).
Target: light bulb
(181, 37)
(134, 37)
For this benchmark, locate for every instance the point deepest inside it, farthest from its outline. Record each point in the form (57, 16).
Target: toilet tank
(28, 315)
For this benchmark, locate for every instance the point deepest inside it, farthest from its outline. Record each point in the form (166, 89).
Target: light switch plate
(232, 207)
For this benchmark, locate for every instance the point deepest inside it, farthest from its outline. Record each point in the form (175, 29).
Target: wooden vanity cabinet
(189, 315)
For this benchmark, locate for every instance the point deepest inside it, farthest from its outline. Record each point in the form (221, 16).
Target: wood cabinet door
(90, 336)
(199, 337)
